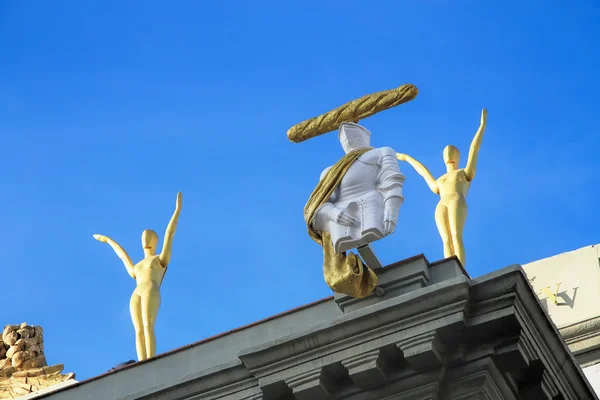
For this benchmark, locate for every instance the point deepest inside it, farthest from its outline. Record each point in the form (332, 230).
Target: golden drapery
(343, 273)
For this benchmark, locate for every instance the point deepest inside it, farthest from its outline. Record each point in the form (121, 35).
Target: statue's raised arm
(421, 170)
(165, 254)
(475, 146)
(120, 252)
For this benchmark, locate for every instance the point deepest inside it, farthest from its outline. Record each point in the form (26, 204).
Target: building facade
(568, 286)
(430, 332)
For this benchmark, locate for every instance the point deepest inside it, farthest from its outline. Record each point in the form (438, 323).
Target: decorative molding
(370, 333)
(571, 333)
(214, 385)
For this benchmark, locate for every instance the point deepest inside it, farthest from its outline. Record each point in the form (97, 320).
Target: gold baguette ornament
(352, 111)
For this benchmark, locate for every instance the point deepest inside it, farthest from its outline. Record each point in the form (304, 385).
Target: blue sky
(108, 108)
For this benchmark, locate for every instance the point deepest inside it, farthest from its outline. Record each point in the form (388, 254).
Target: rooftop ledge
(424, 314)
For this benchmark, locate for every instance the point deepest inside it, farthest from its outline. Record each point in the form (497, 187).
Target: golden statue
(148, 274)
(453, 186)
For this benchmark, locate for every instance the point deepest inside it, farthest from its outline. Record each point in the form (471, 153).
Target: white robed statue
(365, 205)
(358, 199)
(356, 202)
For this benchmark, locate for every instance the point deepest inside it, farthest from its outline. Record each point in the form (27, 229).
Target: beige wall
(592, 374)
(577, 309)
(578, 273)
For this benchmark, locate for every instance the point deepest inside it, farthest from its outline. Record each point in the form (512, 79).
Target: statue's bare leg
(150, 306)
(135, 308)
(457, 215)
(441, 221)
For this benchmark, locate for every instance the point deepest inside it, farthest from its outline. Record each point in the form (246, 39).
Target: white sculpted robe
(371, 192)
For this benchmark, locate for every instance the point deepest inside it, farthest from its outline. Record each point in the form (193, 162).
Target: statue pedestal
(403, 277)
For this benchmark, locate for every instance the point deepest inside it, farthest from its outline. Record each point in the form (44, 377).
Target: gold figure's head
(451, 157)
(149, 241)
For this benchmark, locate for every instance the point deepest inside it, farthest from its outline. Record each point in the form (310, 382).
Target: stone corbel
(317, 384)
(541, 388)
(515, 354)
(275, 391)
(423, 351)
(365, 369)
(309, 385)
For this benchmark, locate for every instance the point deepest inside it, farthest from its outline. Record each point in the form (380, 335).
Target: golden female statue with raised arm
(148, 274)
(453, 186)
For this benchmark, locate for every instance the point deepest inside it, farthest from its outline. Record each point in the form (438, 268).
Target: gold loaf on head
(354, 110)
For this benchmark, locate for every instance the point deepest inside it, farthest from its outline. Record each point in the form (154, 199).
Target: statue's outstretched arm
(421, 170)
(475, 145)
(165, 254)
(120, 252)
